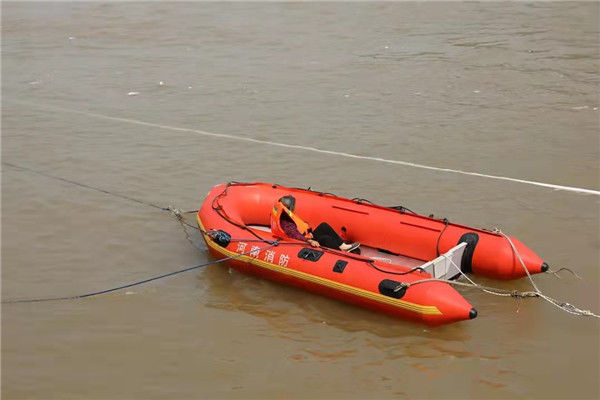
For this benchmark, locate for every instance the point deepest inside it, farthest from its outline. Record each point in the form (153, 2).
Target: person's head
(289, 202)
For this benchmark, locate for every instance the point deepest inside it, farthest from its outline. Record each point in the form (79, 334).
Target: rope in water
(81, 296)
(564, 306)
(516, 252)
(309, 148)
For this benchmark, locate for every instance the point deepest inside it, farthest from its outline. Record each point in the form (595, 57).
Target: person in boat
(285, 223)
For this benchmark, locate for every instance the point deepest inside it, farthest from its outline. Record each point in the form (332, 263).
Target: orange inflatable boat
(398, 248)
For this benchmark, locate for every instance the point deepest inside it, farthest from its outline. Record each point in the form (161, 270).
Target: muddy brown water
(507, 89)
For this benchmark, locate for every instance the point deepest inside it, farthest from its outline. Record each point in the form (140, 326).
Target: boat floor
(373, 253)
(394, 259)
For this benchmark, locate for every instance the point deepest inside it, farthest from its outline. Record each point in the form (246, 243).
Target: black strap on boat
(437, 246)
(361, 200)
(402, 209)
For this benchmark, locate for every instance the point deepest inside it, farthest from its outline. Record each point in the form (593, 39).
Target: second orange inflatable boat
(398, 247)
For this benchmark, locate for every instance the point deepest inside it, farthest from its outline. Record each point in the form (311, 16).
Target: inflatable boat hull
(241, 213)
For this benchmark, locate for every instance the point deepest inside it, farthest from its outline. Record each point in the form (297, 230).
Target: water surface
(508, 89)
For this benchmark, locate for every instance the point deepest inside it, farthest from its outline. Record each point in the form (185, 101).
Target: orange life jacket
(276, 229)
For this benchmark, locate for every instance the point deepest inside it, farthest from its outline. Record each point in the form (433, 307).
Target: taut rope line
(83, 185)
(81, 296)
(567, 307)
(312, 149)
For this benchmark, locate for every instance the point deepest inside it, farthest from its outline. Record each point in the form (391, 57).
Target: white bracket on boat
(447, 265)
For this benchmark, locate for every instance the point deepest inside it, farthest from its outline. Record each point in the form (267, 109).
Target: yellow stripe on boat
(426, 310)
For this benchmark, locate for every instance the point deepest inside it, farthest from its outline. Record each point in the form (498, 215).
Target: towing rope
(306, 148)
(83, 185)
(555, 273)
(514, 249)
(184, 225)
(564, 306)
(81, 296)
